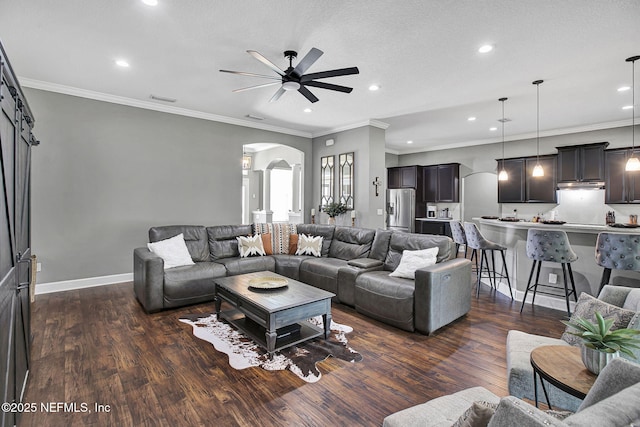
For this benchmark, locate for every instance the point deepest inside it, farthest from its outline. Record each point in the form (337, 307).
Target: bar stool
(550, 246)
(477, 242)
(617, 251)
(459, 238)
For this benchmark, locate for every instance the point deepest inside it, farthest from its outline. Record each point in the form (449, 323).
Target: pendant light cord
(503, 99)
(633, 105)
(538, 123)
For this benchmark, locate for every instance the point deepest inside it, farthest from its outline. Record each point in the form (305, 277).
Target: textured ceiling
(423, 54)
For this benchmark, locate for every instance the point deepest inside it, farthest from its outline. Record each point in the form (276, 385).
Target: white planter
(595, 360)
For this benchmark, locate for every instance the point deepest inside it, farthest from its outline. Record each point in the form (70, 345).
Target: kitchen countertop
(434, 219)
(568, 227)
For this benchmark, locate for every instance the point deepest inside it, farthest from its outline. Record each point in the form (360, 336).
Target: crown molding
(114, 99)
(374, 123)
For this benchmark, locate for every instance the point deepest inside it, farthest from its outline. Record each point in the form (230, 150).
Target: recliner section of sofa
(355, 265)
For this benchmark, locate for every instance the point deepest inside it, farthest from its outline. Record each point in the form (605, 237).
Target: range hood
(581, 185)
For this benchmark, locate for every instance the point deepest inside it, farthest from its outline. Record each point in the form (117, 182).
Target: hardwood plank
(97, 345)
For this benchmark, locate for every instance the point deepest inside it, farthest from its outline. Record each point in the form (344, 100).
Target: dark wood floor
(97, 345)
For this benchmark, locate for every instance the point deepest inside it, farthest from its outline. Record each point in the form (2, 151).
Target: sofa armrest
(515, 412)
(442, 294)
(148, 279)
(616, 376)
(365, 263)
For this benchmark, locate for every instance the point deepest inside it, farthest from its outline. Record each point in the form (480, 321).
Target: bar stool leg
(488, 270)
(573, 283)
(506, 273)
(566, 289)
(526, 291)
(606, 276)
(479, 272)
(457, 249)
(535, 286)
(493, 265)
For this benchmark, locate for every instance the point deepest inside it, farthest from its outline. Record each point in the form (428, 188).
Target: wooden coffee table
(562, 366)
(265, 314)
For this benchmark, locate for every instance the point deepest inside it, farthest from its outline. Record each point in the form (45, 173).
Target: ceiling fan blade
(329, 86)
(307, 94)
(243, 73)
(330, 73)
(265, 61)
(277, 95)
(308, 60)
(255, 87)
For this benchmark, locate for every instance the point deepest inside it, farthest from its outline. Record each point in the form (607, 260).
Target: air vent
(162, 98)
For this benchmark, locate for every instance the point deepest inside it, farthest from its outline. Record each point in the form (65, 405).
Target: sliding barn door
(15, 247)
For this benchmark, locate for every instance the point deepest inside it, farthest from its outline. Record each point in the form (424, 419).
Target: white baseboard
(541, 300)
(69, 285)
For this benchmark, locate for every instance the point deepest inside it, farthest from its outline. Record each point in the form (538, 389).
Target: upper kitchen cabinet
(522, 187)
(581, 163)
(403, 177)
(441, 183)
(620, 186)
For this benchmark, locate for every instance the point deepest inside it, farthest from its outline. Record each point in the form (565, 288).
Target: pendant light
(537, 170)
(503, 175)
(633, 164)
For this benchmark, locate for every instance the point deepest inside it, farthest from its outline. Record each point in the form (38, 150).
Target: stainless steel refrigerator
(401, 208)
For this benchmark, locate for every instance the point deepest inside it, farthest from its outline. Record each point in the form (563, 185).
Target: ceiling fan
(294, 78)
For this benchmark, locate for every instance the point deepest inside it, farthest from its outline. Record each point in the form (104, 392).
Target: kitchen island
(586, 272)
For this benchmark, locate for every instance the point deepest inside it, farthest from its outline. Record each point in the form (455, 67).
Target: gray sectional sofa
(355, 266)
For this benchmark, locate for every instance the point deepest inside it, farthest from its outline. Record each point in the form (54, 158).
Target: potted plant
(333, 210)
(601, 344)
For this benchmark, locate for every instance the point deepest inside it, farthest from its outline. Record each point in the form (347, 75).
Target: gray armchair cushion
(222, 240)
(616, 376)
(326, 231)
(195, 236)
(515, 412)
(621, 409)
(350, 243)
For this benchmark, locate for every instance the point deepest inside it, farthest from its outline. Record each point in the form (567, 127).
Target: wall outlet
(553, 278)
(38, 266)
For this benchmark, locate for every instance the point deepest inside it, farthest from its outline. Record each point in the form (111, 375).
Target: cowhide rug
(300, 359)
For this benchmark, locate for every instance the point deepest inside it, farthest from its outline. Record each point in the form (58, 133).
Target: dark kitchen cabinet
(441, 183)
(582, 163)
(442, 228)
(402, 177)
(541, 189)
(512, 190)
(620, 186)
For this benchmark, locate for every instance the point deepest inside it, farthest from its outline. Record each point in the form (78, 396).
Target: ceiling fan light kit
(633, 164)
(294, 78)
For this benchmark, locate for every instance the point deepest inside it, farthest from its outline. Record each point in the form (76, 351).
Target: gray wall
(105, 173)
(367, 143)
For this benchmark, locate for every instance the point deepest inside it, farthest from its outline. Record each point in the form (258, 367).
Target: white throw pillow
(173, 251)
(309, 245)
(250, 245)
(414, 260)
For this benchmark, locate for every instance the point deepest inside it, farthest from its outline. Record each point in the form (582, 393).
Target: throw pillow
(413, 260)
(478, 415)
(250, 245)
(586, 308)
(173, 251)
(280, 235)
(266, 243)
(309, 245)
(293, 244)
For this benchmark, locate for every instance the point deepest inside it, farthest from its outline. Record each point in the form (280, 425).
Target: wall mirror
(345, 162)
(326, 180)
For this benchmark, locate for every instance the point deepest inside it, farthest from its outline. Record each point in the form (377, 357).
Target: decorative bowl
(268, 282)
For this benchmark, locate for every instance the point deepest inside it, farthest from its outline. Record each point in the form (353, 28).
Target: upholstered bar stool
(550, 246)
(457, 232)
(477, 242)
(617, 251)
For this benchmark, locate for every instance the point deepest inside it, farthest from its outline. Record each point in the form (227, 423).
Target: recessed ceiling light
(471, 119)
(150, 2)
(307, 110)
(493, 129)
(486, 48)
(122, 63)
(627, 107)
(409, 142)
(374, 87)
(623, 88)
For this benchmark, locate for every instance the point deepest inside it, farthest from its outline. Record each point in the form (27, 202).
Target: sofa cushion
(195, 237)
(586, 308)
(351, 243)
(222, 240)
(380, 245)
(621, 409)
(388, 299)
(289, 265)
(400, 242)
(191, 281)
(173, 251)
(238, 265)
(326, 231)
(250, 246)
(413, 260)
(280, 235)
(309, 245)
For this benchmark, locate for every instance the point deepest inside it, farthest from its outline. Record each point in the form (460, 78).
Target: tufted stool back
(457, 232)
(618, 251)
(475, 240)
(549, 245)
